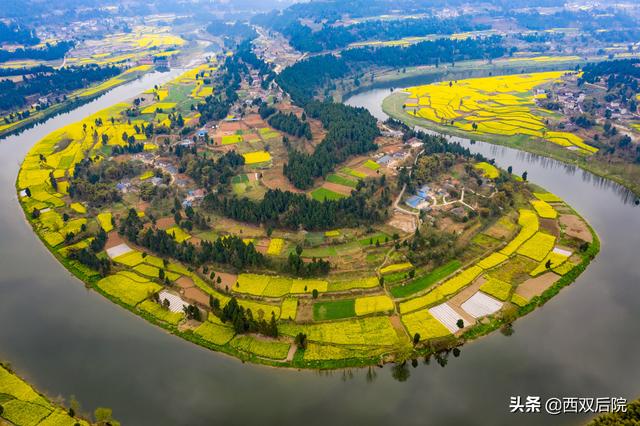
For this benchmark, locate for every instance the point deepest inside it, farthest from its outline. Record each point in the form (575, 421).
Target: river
(68, 340)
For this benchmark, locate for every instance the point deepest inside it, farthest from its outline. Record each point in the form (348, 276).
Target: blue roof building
(414, 201)
(423, 191)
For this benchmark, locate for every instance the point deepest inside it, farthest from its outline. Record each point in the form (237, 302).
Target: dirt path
(292, 351)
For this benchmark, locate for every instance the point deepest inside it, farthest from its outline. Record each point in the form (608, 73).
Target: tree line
(303, 79)
(88, 256)
(229, 250)
(208, 173)
(291, 124)
(331, 37)
(48, 53)
(350, 131)
(17, 34)
(243, 320)
(284, 209)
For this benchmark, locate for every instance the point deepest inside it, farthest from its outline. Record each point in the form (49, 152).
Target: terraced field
(501, 105)
(22, 405)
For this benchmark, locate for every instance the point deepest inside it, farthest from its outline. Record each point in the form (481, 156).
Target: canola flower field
(500, 105)
(143, 40)
(23, 405)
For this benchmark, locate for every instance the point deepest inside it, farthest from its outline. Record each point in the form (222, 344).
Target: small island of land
(305, 236)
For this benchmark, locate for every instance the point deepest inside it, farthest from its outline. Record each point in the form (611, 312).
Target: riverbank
(74, 100)
(21, 404)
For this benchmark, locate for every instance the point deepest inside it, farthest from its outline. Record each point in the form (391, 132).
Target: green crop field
(322, 194)
(425, 281)
(340, 180)
(335, 309)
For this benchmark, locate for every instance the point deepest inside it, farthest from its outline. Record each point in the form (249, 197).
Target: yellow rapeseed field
(398, 267)
(538, 246)
(489, 170)
(275, 246)
(256, 157)
(528, 220)
(544, 210)
(500, 105)
(422, 323)
(372, 304)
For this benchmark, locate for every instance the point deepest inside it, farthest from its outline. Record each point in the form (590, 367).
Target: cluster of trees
(209, 173)
(368, 204)
(628, 35)
(243, 320)
(217, 106)
(130, 148)
(541, 37)
(350, 131)
(229, 250)
(291, 124)
(617, 73)
(4, 72)
(265, 110)
(297, 266)
(587, 20)
(48, 53)
(303, 79)
(244, 53)
(330, 11)
(17, 34)
(434, 144)
(89, 256)
(51, 81)
(192, 219)
(429, 52)
(94, 182)
(432, 245)
(331, 37)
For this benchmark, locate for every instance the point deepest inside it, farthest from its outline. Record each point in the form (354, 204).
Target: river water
(68, 340)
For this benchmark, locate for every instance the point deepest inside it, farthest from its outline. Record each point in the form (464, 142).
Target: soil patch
(185, 282)
(113, 239)
(165, 223)
(450, 225)
(254, 120)
(456, 301)
(305, 311)
(537, 286)
(274, 179)
(227, 280)
(402, 221)
(551, 226)
(231, 126)
(196, 295)
(575, 227)
(340, 189)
